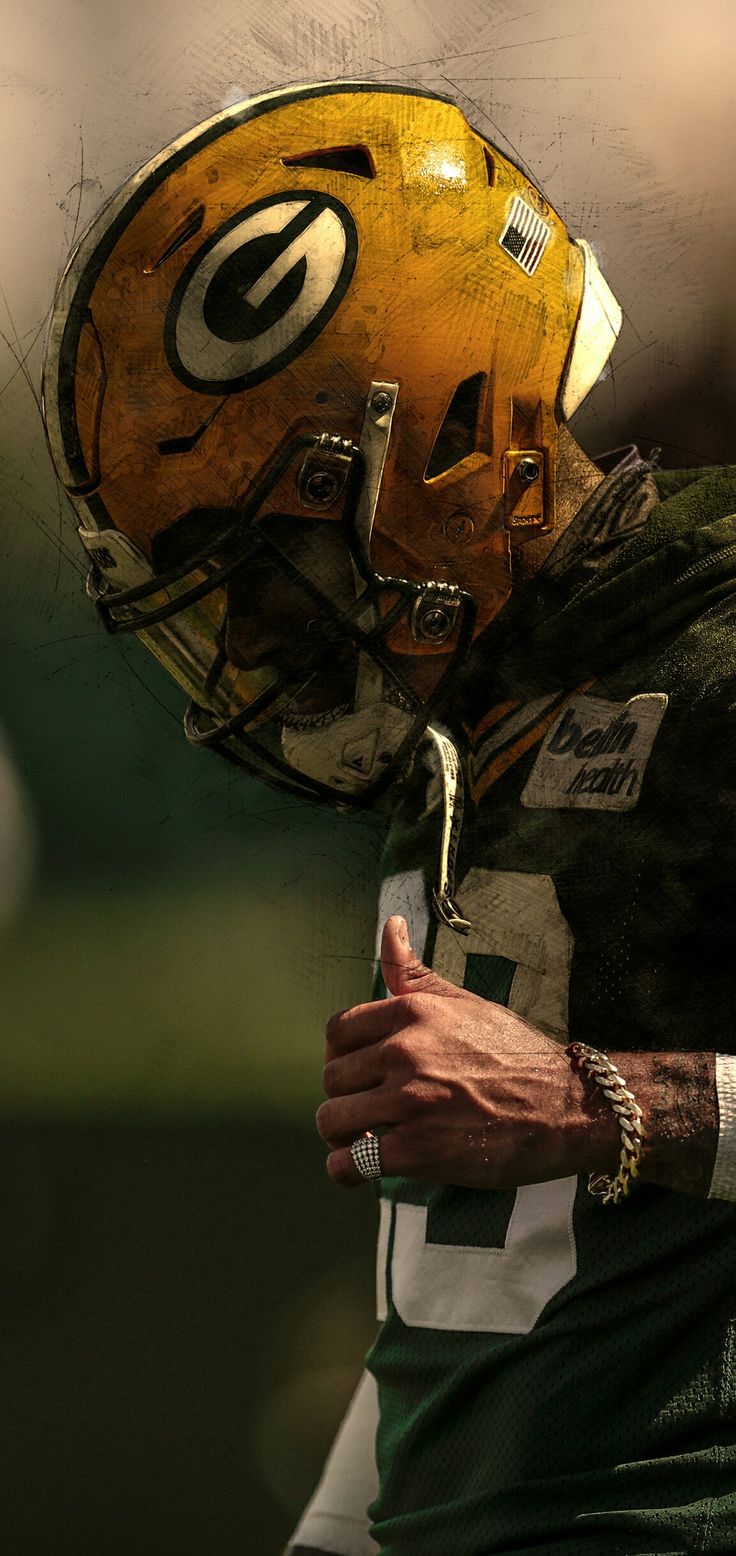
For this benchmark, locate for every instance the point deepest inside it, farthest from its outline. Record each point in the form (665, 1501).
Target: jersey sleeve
(336, 1518)
(723, 1184)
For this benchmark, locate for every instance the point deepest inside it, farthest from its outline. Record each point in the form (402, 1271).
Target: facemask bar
(109, 603)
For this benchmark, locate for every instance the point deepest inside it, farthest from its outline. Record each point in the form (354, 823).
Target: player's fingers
(355, 1071)
(406, 1152)
(342, 1118)
(359, 1026)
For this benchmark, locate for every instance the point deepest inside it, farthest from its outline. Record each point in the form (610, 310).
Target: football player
(307, 383)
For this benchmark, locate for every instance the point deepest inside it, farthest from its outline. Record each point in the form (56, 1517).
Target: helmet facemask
(289, 628)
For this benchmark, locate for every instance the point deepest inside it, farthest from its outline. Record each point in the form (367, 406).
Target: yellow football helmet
(304, 379)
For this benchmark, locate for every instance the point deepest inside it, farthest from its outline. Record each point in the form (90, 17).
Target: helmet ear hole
(338, 159)
(458, 433)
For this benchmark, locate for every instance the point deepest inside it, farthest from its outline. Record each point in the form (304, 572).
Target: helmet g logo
(260, 290)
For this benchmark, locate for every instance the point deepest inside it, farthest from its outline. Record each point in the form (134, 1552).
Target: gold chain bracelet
(629, 1115)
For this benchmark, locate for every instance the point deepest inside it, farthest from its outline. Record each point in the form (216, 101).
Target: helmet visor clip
(324, 471)
(434, 614)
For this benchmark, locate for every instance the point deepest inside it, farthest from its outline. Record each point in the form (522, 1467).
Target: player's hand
(463, 1090)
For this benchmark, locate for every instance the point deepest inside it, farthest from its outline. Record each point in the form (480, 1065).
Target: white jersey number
(520, 936)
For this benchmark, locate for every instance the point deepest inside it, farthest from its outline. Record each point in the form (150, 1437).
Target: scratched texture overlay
(184, 1299)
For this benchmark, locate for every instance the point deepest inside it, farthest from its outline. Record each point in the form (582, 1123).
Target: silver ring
(366, 1153)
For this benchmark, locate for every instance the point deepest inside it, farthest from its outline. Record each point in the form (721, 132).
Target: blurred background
(184, 1297)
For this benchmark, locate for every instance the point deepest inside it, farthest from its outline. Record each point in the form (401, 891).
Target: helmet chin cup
(349, 752)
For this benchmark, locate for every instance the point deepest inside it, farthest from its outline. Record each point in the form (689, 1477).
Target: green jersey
(557, 1376)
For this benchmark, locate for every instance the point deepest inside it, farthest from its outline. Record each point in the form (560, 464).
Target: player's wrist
(591, 1122)
(677, 1095)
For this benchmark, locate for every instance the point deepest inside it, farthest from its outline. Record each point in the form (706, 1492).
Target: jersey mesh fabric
(608, 1426)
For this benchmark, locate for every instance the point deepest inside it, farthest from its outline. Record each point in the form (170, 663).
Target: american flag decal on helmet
(525, 236)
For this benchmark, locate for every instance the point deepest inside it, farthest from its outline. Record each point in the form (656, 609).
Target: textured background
(184, 1298)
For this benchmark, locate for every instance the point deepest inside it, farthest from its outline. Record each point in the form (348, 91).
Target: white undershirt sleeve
(336, 1519)
(723, 1185)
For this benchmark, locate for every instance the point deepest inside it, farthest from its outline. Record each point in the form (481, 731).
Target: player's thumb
(403, 972)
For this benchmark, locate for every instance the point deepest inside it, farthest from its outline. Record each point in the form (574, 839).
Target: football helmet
(303, 384)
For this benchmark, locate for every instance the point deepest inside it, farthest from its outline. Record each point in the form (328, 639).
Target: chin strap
(451, 778)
